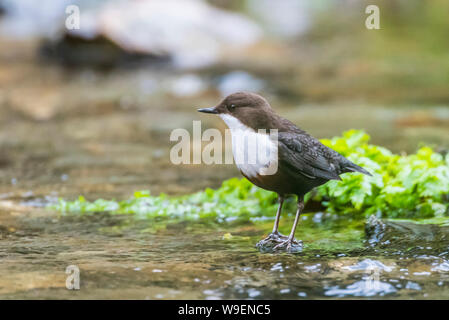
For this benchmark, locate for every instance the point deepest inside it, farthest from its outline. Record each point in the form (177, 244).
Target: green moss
(402, 186)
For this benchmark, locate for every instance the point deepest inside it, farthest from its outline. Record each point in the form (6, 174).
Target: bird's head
(247, 108)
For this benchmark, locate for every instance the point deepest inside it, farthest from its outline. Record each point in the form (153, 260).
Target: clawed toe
(276, 242)
(289, 245)
(286, 244)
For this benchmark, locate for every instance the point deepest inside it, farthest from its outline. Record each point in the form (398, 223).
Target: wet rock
(154, 29)
(387, 232)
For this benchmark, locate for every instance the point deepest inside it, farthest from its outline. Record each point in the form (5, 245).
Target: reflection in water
(443, 267)
(369, 264)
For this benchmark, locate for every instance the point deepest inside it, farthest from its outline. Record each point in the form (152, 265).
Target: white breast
(254, 153)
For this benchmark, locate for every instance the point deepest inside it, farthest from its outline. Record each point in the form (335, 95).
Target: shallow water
(124, 258)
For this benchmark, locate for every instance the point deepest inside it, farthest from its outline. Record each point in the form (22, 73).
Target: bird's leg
(275, 231)
(274, 237)
(287, 244)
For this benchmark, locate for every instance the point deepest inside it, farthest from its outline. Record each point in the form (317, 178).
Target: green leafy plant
(410, 186)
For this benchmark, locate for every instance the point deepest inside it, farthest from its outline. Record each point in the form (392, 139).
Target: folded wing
(302, 154)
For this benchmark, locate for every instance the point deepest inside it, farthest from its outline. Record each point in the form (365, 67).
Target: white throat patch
(255, 153)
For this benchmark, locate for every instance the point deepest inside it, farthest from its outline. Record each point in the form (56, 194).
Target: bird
(300, 161)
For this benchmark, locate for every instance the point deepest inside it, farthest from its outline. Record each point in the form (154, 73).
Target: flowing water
(124, 258)
(106, 134)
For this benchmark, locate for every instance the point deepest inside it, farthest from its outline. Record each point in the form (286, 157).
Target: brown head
(249, 108)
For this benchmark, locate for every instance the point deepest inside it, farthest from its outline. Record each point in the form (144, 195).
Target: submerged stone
(388, 232)
(277, 243)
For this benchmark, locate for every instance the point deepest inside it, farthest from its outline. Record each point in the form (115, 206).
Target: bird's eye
(231, 107)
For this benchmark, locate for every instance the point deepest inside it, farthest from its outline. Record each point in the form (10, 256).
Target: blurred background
(89, 111)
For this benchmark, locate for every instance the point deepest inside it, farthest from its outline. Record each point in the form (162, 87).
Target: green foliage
(413, 186)
(235, 198)
(409, 186)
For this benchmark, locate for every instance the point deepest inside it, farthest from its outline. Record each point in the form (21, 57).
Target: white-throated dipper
(301, 161)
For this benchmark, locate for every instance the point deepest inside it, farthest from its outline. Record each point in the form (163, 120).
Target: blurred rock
(99, 52)
(5, 161)
(285, 18)
(187, 85)
(2, 9)
(239, 81)
(190, 33)
(420, 118)
(28, 18)
(37, 103)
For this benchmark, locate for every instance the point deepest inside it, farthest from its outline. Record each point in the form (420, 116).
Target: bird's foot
(275, 236)
(276, 242)
(289, 245)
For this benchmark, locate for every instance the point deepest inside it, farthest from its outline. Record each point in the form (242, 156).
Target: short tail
(352, 167)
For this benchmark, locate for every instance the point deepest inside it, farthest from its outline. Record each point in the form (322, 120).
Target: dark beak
(208, 110)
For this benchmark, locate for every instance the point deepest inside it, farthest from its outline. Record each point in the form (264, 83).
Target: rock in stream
(382, 232)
